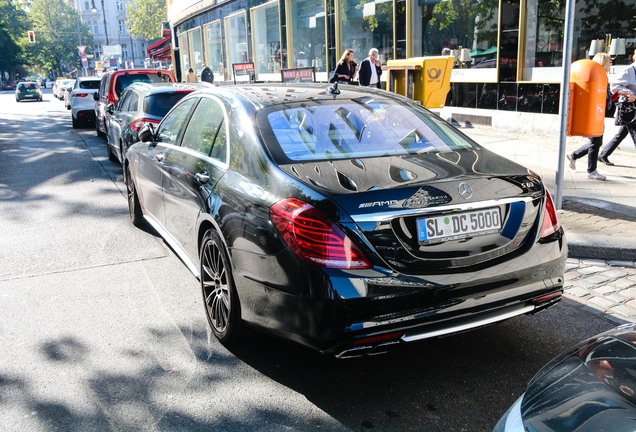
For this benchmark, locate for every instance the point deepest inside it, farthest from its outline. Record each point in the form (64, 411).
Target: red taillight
(139, 123)
(79, 95)
(550, 220)
(314, 238)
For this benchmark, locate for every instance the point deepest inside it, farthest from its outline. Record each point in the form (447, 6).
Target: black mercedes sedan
(347, 220)
(591, 387)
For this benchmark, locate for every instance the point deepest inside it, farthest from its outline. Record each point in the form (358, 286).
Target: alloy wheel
(215, 282)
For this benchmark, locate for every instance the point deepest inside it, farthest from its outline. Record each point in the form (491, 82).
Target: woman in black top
(345, 69)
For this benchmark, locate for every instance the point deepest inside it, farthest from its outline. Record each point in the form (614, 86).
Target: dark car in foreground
(141, 104)
(28, 90)
(350, 223)
(589, 388)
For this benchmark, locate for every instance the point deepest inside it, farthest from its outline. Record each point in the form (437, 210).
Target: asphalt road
(102, 327)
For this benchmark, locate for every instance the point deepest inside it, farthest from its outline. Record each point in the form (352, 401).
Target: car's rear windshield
(89, 85)
(354, 128)
(160, 103)
(28, 86)
(123, 81)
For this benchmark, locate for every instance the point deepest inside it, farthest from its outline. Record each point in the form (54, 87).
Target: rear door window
(159, 104)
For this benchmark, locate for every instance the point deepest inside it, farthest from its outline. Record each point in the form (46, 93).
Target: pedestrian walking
(625, 85)
(206, 74)
(370, 70)
(345, 68)
(191, 77)
(591, 148)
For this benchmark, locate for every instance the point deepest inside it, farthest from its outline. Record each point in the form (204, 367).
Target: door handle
(202, 177)
(159, 157)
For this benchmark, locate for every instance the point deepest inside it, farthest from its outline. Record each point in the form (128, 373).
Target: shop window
(268, 55)
(214, 50)
(366, 24)
(236, 40)
(544, 40)
(509, 41)
(307, 37)
(184, 54)
(196, 50)
(452, 27)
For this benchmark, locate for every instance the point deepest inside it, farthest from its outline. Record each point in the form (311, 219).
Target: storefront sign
(241, 69)
(305, 74)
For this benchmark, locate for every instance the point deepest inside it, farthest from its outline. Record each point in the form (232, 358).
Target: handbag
(625, 112)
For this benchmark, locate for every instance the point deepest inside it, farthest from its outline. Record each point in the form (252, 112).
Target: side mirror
(146, 133)
(96, 96)
(110, 108)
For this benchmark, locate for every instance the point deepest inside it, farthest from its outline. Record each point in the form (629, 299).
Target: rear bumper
(349, 315)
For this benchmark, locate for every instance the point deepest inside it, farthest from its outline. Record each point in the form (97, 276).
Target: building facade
(113, 45)
(512, 49)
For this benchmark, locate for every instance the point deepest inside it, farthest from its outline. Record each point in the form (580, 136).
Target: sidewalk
(599, 217)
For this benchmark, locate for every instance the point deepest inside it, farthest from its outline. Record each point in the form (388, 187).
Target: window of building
(87, 5)
(236, 40)
(122, 27)
(124, 50)
(214, 49)
(94, 26)
(268, 57)
(196, 50)
(366, 24)
(307, 36)
(120, 5)
(544, 40)
(184, 54)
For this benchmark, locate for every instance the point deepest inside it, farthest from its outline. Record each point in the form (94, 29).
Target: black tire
(99, 133)
(111, 155)
(221, 302)
(134, 207)
(75, 122)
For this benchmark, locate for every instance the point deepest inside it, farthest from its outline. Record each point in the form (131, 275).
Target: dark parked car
(349, 223)
(589, 388)
(112, 86)
(140, 104)
(28, 90)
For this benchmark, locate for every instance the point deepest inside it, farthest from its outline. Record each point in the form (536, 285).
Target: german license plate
(458, 226)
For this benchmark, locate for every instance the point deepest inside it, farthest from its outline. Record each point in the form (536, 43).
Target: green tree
(144, 18)
(13, 36)
(58, 32)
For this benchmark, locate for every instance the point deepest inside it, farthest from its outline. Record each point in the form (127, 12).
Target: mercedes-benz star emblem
(465, 191)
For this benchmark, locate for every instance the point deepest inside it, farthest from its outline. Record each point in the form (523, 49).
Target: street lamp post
(94, 9)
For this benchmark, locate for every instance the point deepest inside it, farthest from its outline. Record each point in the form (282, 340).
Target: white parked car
(65, 90)
(81, 100)
(61, 84)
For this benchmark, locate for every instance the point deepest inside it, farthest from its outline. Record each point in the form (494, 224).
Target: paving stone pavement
(606, 288)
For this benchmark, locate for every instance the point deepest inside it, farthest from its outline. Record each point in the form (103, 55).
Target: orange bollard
(588, 93)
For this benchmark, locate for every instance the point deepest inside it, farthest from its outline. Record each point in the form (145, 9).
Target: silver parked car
(141, 104)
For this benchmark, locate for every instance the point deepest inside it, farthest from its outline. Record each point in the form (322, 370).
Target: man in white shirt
(370, 70)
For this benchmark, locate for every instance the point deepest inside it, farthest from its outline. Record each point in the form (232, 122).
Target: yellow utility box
(426, 79)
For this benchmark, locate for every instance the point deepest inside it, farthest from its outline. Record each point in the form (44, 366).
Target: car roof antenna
(333, 89)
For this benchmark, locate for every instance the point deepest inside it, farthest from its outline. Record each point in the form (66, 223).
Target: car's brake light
(313, 237)
(550, 220)
(139, 123)
(79, 95)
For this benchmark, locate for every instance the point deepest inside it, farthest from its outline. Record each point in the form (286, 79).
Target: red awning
(160, 50)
